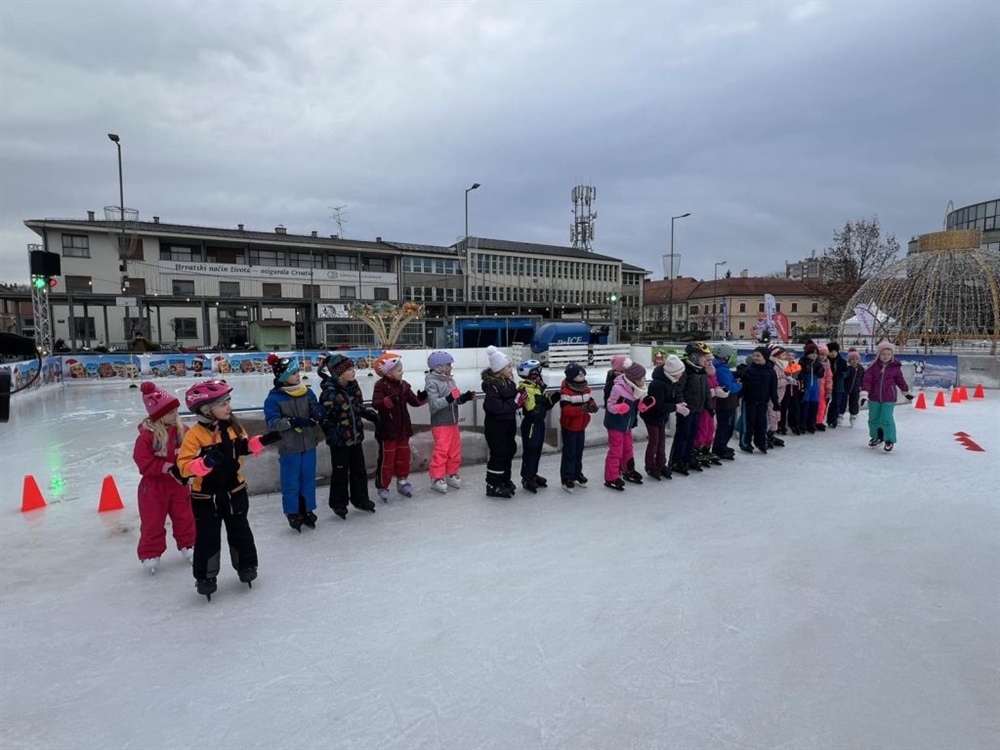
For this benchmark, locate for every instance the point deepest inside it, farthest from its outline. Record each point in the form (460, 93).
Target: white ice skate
(439, 485)
(854, 418)
(151, 564)
(188, 553)
(454, 480)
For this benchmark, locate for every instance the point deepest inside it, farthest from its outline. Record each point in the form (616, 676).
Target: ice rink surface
(826, 595)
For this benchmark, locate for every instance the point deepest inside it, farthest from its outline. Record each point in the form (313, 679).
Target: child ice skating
(163, 491)
(534, 405)
(291, 408)
(392, 399)
(500, 423)
(666, 388)
(443, 400)
(576, 404)
(212, 453)
(345, 432)
(879, 385)
(628, 396)
(852, 384)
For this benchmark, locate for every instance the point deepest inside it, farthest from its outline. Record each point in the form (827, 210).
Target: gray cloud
(773, 123)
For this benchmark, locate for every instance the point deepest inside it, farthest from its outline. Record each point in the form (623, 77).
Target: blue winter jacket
(725, 379)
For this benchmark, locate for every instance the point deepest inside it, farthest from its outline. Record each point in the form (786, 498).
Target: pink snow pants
(160, 497)
(619, 453)
(447, 456)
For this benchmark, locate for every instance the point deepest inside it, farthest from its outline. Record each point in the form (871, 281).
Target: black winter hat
(764, 352)
(573, 371)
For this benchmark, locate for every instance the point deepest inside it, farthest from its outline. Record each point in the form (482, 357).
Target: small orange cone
(956, 396)
(921, 401)
(979, 392)
(939, 401)
(110, 499)
(965, 393)
(31, 497)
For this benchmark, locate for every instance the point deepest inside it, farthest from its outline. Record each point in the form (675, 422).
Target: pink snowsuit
(825, 390)
(160, 495)
(706, 423)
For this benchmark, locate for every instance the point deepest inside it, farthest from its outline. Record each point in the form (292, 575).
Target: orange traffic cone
(110, 499)
(31, 497)
(921, 401)
(939, 401)
(965, 393)
(956, 395)
(979, 392)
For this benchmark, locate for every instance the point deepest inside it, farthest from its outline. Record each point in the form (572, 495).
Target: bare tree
(858, 251)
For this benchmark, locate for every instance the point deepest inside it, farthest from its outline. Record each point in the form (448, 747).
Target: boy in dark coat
(666, 386)
(760, 387)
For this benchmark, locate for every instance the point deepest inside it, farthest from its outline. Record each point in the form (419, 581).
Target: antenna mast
(340, 218)
(581, 233)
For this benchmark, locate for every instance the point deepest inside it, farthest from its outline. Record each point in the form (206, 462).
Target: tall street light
(468, 254)
(670, 311)
(715, 281)
(123, 261)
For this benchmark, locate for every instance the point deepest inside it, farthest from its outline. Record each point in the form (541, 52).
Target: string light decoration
(946, 294)
(386, 320)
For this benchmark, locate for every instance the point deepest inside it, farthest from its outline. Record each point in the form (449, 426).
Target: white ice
(827, 595)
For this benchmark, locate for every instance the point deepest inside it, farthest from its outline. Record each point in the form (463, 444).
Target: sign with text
(274, 273)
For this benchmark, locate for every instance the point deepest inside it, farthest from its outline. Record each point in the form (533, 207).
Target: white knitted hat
(498, 360)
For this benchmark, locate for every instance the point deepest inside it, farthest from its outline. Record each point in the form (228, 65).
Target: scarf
(295, 390)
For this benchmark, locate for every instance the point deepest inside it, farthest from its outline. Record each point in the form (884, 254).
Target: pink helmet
(205, 394)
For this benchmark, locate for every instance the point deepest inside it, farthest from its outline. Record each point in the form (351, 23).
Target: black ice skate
(206, 587)
(247, 576)
(580, 479)
(295, 521)
(530, 485)
(541, 481)
(888, 446)
(498, 490)
(632, 476)
(309, 519)
(617, 484)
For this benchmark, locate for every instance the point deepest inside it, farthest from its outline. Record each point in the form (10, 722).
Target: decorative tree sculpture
(386, 319)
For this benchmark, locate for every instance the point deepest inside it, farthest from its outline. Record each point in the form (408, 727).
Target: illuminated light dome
(946, 295)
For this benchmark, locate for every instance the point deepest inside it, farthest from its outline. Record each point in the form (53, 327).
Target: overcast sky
(773, 123)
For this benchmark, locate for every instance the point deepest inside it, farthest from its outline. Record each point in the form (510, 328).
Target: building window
(381, 265)
(311, 292)
(232, 256)
(693, 310)
(229, 289)
(815, 307)
(795, 307)
(743, 307)
(76, 246)
(344, 262)
(760, 307)
(267, 258)
(743, 325)
(272, 290)
(305, 260)
(184, 328)
(381, 292)
(78, 283)
(794, 325)
(182, 287)
(174, 252)
(777, 307)
(136, 286)
(348, 292)
(84, 328)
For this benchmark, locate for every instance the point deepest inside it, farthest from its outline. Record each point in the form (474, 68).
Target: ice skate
(309, 519)
(404, 488)
(439, 485)
(541, 481)
(295, 521)
(530, 485)
(206, 587)
(247, 576)
(151, 564)
(383, 495)
(632, 476)
(454, 480)
(580, 479)
(888, 446)
(616, 484)
(498, 490)
(567, 484)
(854, 418)
(188, 553)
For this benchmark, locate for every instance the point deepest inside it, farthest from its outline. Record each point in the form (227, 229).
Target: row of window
(980, 216)
(435, 266)
(434, 294)
(742, 306)
(545, 295)
(543, 268)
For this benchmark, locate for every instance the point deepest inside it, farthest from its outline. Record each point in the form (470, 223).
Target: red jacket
(573, 414)
(154, 463)
(394, 420)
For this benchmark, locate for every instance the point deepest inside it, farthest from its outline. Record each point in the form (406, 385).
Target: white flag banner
(866, 321)
(769, 306)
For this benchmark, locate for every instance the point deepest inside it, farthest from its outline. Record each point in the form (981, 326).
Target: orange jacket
(198, 441)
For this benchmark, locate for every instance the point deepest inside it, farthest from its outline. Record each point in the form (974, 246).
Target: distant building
(982, 216)
(810, 268)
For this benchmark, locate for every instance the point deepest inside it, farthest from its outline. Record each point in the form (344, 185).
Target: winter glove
(909, 396)
(647, 403)
(176, 474)
(258, 442)
(421, 395)
(682, 409)
(318, 413)
(619, 408)
(864, 397)
(554, 399)
(522, 396)
(467, 396)
(592, 407)
(721, 392)
(200, 467)
(388, 403)
(371, 415)
(299, 422)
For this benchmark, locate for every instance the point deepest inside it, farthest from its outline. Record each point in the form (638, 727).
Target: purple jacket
(881, 382)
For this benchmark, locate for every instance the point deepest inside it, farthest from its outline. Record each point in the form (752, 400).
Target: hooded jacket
(500, 399)
(621, 393)
(724, 375)
(345, 408)
(280, 407)
(575, 401)
(394, 421)
(667, 394)
(881, 381)
(697, 394)
(225, 477)
(444, 413)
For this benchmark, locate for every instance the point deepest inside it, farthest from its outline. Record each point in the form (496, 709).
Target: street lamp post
(715, 281)
(122, 259)
(468, 253)
(670, 311)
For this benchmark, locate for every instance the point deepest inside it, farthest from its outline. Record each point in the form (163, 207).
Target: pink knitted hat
(882, 346)
(157, 401)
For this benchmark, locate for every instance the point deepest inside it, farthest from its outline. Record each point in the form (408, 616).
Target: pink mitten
(198, 467)
(619, 408)
(387, 402)
(256, 445)
(455, 393)
(522, 396)
(647, 403)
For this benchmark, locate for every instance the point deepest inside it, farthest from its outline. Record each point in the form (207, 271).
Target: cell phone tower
(581, 233)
